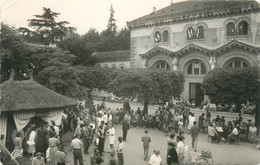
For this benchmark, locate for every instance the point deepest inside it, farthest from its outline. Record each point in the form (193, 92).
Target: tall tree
(47, 27)
(232, 86)
(112, 22)
(147, 85)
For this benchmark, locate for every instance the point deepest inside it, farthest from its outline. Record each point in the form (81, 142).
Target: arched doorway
(194, 72)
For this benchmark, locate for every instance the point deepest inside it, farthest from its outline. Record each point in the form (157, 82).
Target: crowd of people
(44, 142)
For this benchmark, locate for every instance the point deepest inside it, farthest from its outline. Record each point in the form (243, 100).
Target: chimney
(154, 9)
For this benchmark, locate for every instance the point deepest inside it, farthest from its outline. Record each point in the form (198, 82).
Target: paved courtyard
(242, 154)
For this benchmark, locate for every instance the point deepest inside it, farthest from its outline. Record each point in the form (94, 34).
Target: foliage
(51, 67)
(147, 84)
(111, 22)
(47, 28)
(228, 86)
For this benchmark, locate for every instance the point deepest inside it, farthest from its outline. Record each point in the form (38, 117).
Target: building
(24, 102)
(194, 37)
(113, 59)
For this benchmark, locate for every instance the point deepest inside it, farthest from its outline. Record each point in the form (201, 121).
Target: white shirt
(155, 160)
(112, 135)
(180, 147)
(105, 118)
(235, 131)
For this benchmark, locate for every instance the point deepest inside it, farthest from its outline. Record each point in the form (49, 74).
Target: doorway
(195, 93)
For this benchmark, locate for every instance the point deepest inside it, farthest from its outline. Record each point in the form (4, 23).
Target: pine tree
(111, 22)
(47, 27)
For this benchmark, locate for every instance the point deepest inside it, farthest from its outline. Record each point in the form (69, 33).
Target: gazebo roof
(27, 95)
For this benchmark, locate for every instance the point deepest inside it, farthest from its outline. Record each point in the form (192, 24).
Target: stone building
(196, 36)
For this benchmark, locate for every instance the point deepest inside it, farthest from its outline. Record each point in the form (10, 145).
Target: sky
(82, 14)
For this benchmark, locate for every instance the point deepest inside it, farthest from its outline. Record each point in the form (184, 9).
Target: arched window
(236, 63)
(161, 65)
(105, 66)
(166, 36)
(113, 66)
(231, 29)
(242, 28)
(157, 37)
(196, 68)
(200, 32)
(190, 33)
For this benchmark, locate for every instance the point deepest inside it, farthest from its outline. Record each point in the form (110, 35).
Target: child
(180, 123)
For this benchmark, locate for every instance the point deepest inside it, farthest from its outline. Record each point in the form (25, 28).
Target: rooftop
(28, 95)
(189, 10)
(119, 55)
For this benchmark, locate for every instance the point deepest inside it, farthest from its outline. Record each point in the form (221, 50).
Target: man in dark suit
(125, 128)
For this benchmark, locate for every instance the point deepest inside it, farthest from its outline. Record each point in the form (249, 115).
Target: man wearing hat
(38, 160)
(60, 156)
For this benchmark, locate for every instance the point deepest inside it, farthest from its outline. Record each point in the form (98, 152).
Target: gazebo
(23, 100)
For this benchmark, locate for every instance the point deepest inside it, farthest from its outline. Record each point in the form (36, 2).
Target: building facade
(194, 37)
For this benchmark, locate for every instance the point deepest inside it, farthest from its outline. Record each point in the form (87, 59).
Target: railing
(8, 157)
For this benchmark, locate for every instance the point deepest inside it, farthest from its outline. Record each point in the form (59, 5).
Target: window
(242, 29)
(195, 34)
(162, 65)
(200, 32)
(157, 37)
(196, 68)
(231, 29)
(190, 34)
(165, 36)
(236, 63)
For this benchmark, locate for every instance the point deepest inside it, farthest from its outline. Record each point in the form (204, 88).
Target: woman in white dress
(112, 137)
(31, 142)
(191, 120)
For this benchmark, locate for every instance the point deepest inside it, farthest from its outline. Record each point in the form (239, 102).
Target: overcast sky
(82, 14)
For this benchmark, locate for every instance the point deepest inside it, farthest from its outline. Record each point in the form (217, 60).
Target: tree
(47, 27)
(147, 85)
(232, 85)
(112, 22)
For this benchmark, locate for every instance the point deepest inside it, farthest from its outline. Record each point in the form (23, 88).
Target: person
(53, 144)
(120, 151)
(194, 135)
(125, 128)
(60, 156)
(112, 136)
(191, 120)
(96, 158)
(233, 134)
(42, 141)
(239, 119)
(212, 133)
(172, 157)
(76, 145)
(208, 115)
(252, 133)
(112, 158)
(146, 140)
(171, 150)
(155, 159)
(180, 149)
(38, 160)
(86, 138)
(18, 147)
(31, 142)
(78, 130)
(201, 121)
